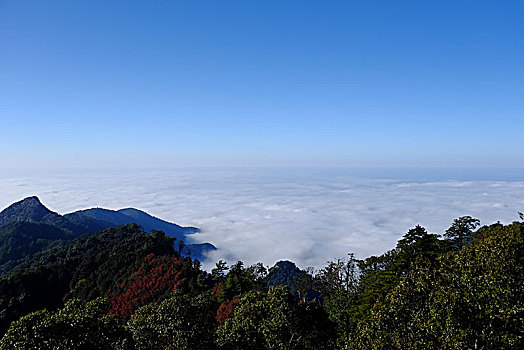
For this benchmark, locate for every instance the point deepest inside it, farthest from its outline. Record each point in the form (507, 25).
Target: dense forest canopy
(126, 288)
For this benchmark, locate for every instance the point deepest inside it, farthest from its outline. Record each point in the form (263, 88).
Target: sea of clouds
(308, 216)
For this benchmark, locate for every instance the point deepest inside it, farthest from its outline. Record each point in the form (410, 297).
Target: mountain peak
(28, 209)
(31, 199)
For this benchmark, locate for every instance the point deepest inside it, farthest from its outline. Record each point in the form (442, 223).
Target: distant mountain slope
(30, 209)
(107, 216)
(199, 250)
(148, 223)
(298, 282)
(130, 215)
(284, 273)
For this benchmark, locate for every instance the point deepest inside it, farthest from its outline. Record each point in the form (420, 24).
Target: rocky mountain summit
(29, 209)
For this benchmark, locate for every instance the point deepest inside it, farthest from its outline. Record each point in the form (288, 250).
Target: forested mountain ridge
(147, 222)
(21, 239)
(28, 227)
(130, 215)
(48, 228)
(125, 288)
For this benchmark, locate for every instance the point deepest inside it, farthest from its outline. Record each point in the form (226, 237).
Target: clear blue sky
(213, 83)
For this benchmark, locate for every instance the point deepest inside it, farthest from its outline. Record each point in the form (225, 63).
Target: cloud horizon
(267, 215)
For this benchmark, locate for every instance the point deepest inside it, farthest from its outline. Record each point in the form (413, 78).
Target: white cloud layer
(307, 216)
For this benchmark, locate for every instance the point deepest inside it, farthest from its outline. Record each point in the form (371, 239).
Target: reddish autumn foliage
(153, 279)
(226, 310)
(217, 289)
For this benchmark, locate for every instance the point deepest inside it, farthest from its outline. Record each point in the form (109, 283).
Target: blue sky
(262, 83)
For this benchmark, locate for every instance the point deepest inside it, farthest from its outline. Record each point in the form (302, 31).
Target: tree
(176, 323)
(338, 275)
(240, 280)
(181, 246)
(342, 308)
(276, 321)
(85, 268)
(226, 310)
(479, 302)
(219, 271)
(460, 232)
(154, 279)
(78, 325)
(303, 284)
(380, 275)
(473, 298)
(416, 244)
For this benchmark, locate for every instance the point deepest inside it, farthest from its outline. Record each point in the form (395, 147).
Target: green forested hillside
(87, 267)
(19, 240)
(124, 289)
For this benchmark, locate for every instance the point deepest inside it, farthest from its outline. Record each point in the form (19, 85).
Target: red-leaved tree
(226, 310)
(156, 277)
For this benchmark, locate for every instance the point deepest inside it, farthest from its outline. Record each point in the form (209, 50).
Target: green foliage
(416, 244)
(79, 325)
(472, 299)
(479, 301)
(219, 272)
(400, 325)
(176, 323)
(20, 240)
(276, 321)
(342, 308)
(240, 280)
(84, 268)
(338, 275)
(460, 232)
(463, 292)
